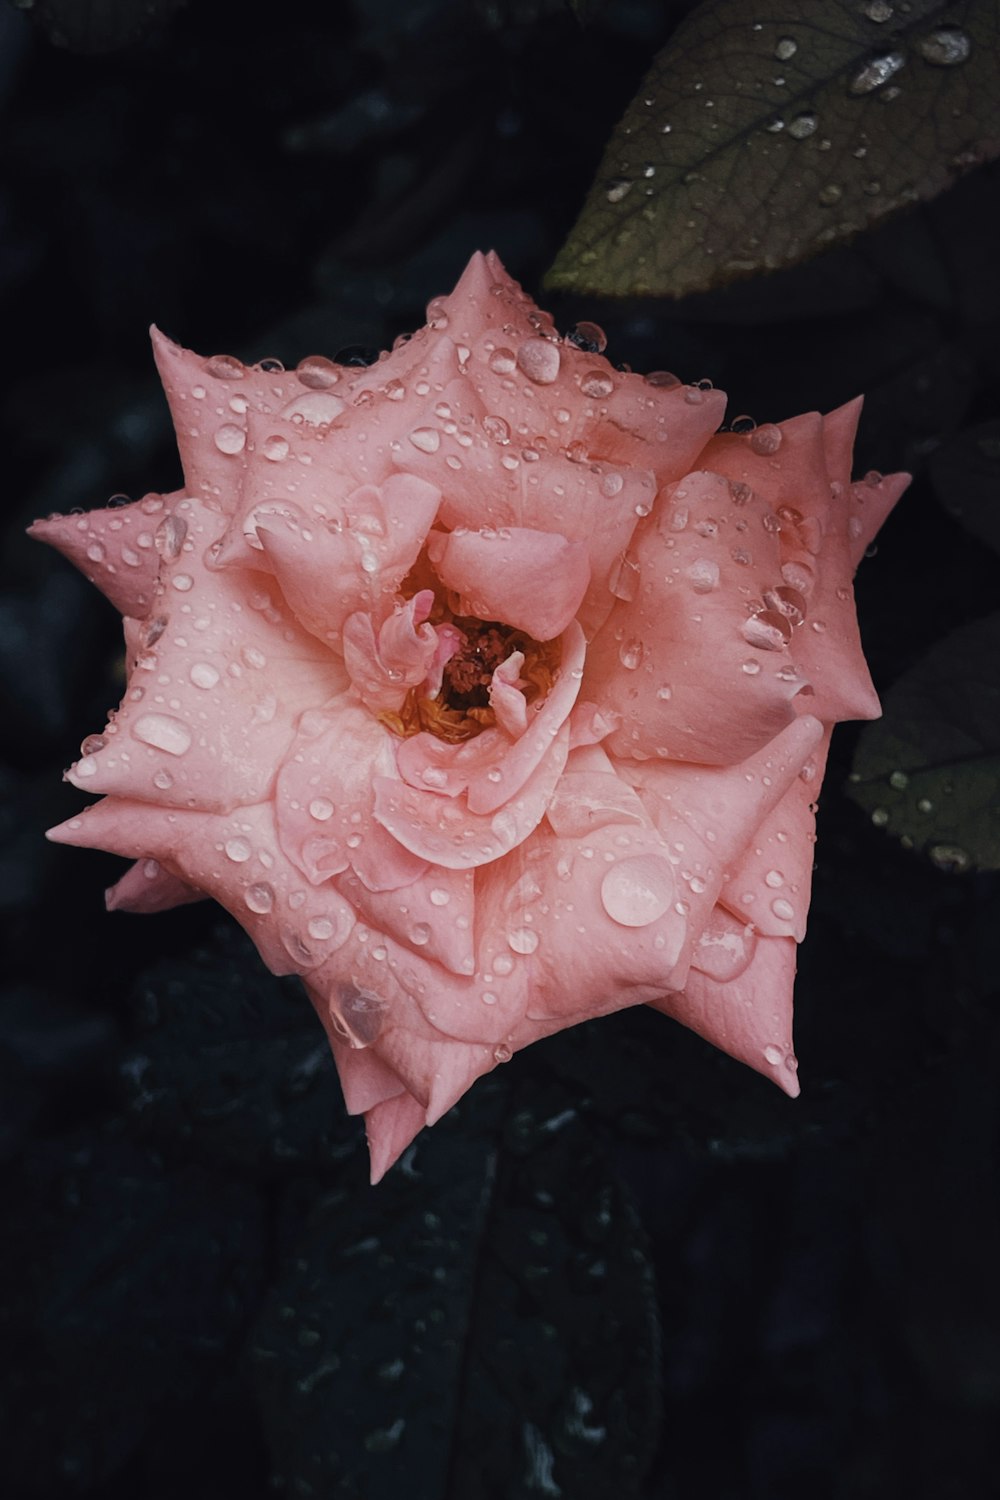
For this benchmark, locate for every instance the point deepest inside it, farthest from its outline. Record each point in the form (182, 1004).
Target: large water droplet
(703, 575)
(496, 429)
(275, 448)
(539, 359)
(229, 438)
(238, 850)
(170, 536)
(945, 46)
(259, 898)
(363, 1012)
(427, 439)
(766, 439)
(782, 909)
(597, 384)
(803, 126)
(317, 372)
(624, 579)
(630, 654)
(768, 631)
(638, 890)
(315, 407)
(204, 675)
(224, 367)
(503, 362)
(321, 808)
(876, 72)
(163, 732)
(522, 940)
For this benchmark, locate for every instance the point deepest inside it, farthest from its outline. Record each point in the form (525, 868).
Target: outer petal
(683, 662)
(750, 1017)
(115, 549)
(222, 677)
(390, 1128)
(237, 860)
(147, 887)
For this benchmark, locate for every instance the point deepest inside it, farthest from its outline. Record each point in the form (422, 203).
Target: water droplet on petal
(786, 48)
(230, 439)
(597, 384)
(949, 858)
(317, 372)
(321, 808)
(320, 928)
(427, 439)
(203, 675)
(163, 732)
(766, 439)
(315, 407)
(617, 188)
(638, 890)
(224, 367)
(238, 850)
(539, 359)
(803, 126)
(259, 898)
(496, 429)
(275, 448)
(420, 934)
(768, 631)
(170, 536)
(522, 940)
(703, 575)
(502, 1053)
(503, 362)
(782, 909)
(630, 654)
(773, 1055)
(439, 897)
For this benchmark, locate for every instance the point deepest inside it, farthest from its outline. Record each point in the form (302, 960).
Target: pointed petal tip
(787, 1079)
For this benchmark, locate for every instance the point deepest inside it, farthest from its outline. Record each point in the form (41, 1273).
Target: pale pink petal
(147, 887)
(771, 881)
(447, 831)
(691, 663)
(221, 678)
(533, 580)
(871, 501)
(210, 414)
(365, 1079)
(384, 666)
(324, 802)
(750, 1017)
(506, 697)
(237, 860)
(115, 548)
(433, 915)
(390, 1128)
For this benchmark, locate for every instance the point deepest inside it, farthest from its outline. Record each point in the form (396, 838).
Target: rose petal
(147, 887)
(114, 549)
(533, 580)
(222, 679)
(750, 1017)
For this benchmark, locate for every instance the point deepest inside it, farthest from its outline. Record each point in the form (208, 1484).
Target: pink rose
(488, 687)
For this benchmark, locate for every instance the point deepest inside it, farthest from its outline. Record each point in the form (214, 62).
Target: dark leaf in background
(499, 1341)
(92, 26)
(116, 1277)
(757, 139)
(232, 1065)
(929, 771)
(966, 479)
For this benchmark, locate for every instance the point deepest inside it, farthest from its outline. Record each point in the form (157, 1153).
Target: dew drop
(773, 1055)
(203, 675)
(238, 850)
(945, 46)
(259, 898)
(439, 896)
(502, 1053)
(320, 928)
(768, 631)
(503, 964)
(597, 384)
(766, 439)
(522, 940)
(703, 575)
(318, 408)
(427, 439)
(489, 998)
(617, 188)
(503, 362)
(275, 448)
(539, 359)
(317, 372)
(950, 858)
(496, 429)
(876, 73)
(163, 732)
(782, 909)
(169, 538)
(182, 582)
(774, 879)
(638, 890)
(878, 11)
(803, 126)
(630, 654)
(786, 48)
(751, 668)
(224, 367)
(230, 439)
(420, 935)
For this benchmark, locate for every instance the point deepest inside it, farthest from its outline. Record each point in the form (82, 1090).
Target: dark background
(624, 1266)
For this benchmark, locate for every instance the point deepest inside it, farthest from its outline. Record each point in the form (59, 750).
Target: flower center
(461, 709)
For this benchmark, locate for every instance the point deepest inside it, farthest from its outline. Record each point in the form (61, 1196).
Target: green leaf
(966, 475)
(764, 134)
(481, 1325)
(929, 771)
